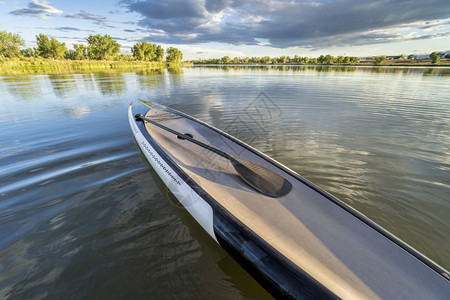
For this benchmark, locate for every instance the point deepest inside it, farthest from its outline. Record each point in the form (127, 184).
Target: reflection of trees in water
(159, 71)
(441, 71)
(333, 69)
(63, 84)
(151, 79)
(87, 81)
(436, 71)
(110, 84)
(24, 86)
(175, 70)
(174, 75)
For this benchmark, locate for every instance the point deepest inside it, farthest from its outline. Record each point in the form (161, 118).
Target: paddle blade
(261, 179)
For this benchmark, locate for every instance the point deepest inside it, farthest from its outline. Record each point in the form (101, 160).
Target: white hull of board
(194, 204)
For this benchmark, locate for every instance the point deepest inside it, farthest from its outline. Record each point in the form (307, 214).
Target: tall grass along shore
(44, 66)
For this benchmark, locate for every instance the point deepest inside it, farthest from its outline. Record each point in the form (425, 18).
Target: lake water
(82, 215)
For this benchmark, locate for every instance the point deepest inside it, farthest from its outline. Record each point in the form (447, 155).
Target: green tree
(339, 60)
(354, 59)
(160, 53)
(70, 54)
(174, 55)
(329, 59)
(102, 47)
(435, 58)
(147, 51)
(10, 43)
(57, 49)
(321, 59)
(43, 45)
(225, 60)
(313, 60)
(28, 52)
(124, 57)
(80, 51)
(50, 48)
(265, 60)
(411, 56)
(281, 59)
(378, 60)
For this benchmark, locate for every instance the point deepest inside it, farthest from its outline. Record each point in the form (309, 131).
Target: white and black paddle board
(298, 243)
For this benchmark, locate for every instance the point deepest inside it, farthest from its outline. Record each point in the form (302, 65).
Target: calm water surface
(83, 216)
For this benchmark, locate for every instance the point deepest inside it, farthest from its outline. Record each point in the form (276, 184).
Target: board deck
(346, 254)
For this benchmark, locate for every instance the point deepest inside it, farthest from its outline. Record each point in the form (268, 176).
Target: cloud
(195, 52)
(432, 36)
(285, 23)
(40, 9)
(120, 39)
(67, 29)
(430, 25)
(83, 15)
(98, 20)
(76, 112)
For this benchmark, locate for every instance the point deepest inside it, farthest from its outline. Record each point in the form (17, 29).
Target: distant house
(394, 57)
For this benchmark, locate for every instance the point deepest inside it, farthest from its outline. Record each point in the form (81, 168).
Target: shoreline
(447, 65)
(50, 66)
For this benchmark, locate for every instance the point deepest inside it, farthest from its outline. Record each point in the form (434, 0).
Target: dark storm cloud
(40, 9)
(285, 23)
(215, 6)
(171, 15)
(349, 18)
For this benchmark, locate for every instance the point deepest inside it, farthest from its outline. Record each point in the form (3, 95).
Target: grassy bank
(51, 66)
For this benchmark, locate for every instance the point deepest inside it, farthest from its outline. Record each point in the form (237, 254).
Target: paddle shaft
(260, 178)
(186, 137)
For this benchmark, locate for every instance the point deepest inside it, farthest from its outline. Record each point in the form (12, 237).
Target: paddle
(258, 177)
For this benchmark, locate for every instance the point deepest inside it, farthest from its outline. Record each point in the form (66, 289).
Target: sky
(215, 28)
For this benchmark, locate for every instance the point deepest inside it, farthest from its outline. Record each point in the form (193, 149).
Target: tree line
(322, 60)
(435, 58)
(98, 47)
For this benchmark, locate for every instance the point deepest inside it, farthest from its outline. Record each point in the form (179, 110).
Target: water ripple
(44, 178)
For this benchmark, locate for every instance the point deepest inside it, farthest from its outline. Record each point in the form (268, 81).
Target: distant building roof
(393, 57)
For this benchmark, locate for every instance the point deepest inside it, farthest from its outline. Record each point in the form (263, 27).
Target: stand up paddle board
(295, 239)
